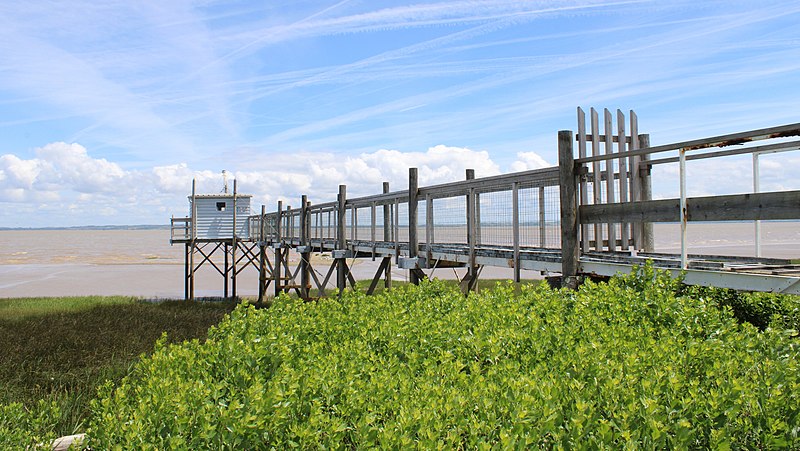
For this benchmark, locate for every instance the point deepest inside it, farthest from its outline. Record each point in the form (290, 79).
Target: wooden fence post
(277, 246)
(235, 244)
(515, 228)
(193, 242)
(387, 237)
(471, 279)
(262, 258)
(647, 194)
(305, 256)
(570, 247)
(413, 240)
(341, 240)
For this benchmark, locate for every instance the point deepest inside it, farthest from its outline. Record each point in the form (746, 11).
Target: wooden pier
(591, 215)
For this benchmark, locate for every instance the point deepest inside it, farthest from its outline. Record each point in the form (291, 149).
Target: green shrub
(22, 429)
(626, 364)
(759, 309)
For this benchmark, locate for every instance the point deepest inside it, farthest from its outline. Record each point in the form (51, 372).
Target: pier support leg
(226, 272)
(413, 241)
(341, 240)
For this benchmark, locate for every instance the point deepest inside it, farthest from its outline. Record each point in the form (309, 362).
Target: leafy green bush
(626, 364)
(22, 429)
(759, 309)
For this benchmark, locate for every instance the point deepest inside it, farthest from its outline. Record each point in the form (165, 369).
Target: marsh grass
(62, 349)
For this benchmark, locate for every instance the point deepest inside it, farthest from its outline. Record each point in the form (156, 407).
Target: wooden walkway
(591, 215)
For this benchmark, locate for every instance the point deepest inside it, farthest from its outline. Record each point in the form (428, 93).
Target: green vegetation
(635, 363)
(759, 309)
(26, 308)
(60, 350)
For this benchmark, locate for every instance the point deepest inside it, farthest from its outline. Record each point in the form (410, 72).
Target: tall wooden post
(287, 231)
(235, 244)
(387, 236)
(305, 256)
(647, 194)
(341, 240)
(515, 228)
(277, 247)
(570, 247)
(471, 279)
(262, 258)
(413, 241)
(226, 273)
(192, 242)
(187, 251)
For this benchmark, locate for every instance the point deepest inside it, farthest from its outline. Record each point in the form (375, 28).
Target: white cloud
(68, 182)
(527, 161)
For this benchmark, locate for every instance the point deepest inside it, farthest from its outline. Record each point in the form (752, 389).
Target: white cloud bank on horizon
(65, 185)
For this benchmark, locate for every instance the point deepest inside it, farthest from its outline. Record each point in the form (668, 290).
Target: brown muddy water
(142, 262)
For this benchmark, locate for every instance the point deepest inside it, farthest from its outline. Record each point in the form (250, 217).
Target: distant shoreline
(100, 227)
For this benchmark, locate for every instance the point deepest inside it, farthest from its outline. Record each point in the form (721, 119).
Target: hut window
(220, 206)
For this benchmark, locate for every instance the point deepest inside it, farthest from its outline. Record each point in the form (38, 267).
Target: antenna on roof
(225, 181)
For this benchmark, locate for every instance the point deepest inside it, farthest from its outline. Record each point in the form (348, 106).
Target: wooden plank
(648, 236)
(596, 174)
(610, 197)
(782, 131)
(602, 137)
(768, 148)
(535, 177)
(636, 181)
(737, 207)
(623, 175)
(584, 196)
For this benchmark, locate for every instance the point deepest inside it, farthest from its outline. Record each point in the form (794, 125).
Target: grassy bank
(62, 349)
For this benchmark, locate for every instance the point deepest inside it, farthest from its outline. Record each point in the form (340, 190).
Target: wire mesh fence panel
(349, 221)
(450, 220)
(363, 225)
(540, 217)
(495, 227)
(422, 223)
(323, 224)
(401, 225)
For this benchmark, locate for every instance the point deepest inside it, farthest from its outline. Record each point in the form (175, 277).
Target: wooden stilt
(387, 237)
(226, 274)
(341, 241)
(262, 259)
(277, 248)
(413, 242)
(305, 256)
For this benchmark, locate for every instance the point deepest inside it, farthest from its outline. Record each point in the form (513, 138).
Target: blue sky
(109, 109)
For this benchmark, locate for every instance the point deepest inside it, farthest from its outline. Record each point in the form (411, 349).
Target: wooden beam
(782, 131)
(736, 207)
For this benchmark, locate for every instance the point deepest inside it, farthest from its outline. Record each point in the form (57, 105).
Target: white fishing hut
(217, 235)
(220, 216)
